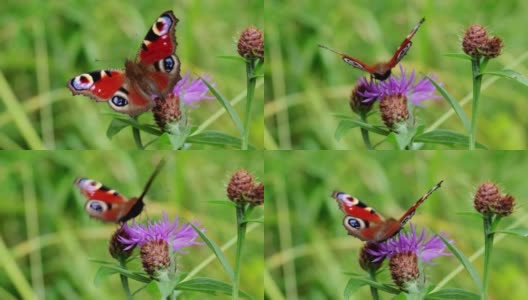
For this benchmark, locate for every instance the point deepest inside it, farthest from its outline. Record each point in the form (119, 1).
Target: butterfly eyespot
(82, 82)
(168, 64)
(162, 25)
(119, 101)
(354, 223)
(96, 207)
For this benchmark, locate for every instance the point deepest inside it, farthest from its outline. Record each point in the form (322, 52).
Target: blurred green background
(306, 85)
(51, 239)
(307, 249)
(46, 43)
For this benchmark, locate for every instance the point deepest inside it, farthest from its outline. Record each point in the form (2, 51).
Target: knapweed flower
(394, 94)
(488, 200)
(476, 42)
(406, 85)
(156, 239)
(426, 250)
(186, 91)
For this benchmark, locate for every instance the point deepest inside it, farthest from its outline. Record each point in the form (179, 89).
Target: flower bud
(356, 102)
(251, 43)
(486, 195)
(474, 39)
(365, 258)
(116, 248)
(240, 186)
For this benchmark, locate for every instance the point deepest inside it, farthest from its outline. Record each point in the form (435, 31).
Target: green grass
(307, 85)
(47, 239)
(46, 44)
(308, 251)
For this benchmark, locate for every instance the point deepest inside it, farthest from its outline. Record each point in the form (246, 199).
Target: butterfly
(153, 74)
(381, 71)
(364, 223)
(108, 205)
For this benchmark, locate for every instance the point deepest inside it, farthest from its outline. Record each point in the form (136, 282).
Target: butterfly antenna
(152, 177)
(330, 49)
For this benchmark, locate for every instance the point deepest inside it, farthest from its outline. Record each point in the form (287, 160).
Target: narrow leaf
(217, 251)
(452, 293)
(453, 102)
(510, 74)
(522, 232)
(216, 138)
(464, 261)
(445, 137)
(209, 286)
(458, 55)
(345, 125)
(227, 105)
(116, 125)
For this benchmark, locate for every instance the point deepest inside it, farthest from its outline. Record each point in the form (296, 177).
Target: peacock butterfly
(381, 71)
(108, 205)
(364, 223)
(153, 74)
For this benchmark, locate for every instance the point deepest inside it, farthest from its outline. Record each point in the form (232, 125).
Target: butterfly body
(152, 75)
(108, 205)
(381, 71)
(362, 222)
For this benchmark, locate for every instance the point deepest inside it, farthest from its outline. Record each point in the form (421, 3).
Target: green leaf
(106, 271)
(116, 125)
(347, 123)
(361, 280)
(216, 138)
(232, 57)
(351, 287)
(123, 122)
(217, 251)
(452, 293)
(522, 232)
(209, 286)
(453, 102)
(510, 74)
(445, 137)
(465, 262)
(225, 103)
(458, 55)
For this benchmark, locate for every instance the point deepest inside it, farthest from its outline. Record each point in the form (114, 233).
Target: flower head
(488, 200)
(410, 242)
(170, 111)
(358, 102)
(163, 230)
(406, 85)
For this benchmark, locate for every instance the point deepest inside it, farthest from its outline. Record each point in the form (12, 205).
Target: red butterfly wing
(160, 41)
(404, 47)
(99, 85)
(353, 207)
(410, 212)
(354, 62)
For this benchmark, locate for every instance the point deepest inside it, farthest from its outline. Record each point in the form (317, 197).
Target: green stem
(251, 82)
(373, 290)
(241, 235)
(488, 246)
(477, 81)
(124, 280)
(365, 133)
(137, 136)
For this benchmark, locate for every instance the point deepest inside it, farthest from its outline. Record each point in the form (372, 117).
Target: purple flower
(404, 242)
(162, 230)
(416, 92)
(191, 92)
